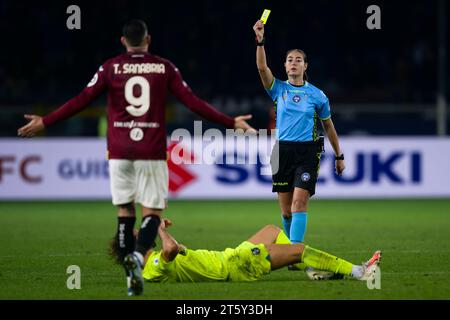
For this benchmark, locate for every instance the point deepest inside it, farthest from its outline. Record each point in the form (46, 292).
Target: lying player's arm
(71, 107)
(170, 246)
(264, 71)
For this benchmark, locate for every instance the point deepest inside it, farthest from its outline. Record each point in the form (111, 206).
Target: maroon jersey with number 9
(138, 85)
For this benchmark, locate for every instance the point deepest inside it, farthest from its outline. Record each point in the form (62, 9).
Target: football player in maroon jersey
(138, 84)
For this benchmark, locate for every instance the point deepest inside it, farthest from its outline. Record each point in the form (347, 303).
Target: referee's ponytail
(305, 59)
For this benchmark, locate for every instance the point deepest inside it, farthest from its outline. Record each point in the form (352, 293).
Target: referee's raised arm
(264, 71)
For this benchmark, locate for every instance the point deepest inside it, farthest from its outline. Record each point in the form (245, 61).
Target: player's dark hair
(134, 31)
(114, 251)
(305, 59)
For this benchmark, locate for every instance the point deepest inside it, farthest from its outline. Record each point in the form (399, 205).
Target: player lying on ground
(268, 249)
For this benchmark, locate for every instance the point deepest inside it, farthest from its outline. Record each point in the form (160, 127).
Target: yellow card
(265, 15)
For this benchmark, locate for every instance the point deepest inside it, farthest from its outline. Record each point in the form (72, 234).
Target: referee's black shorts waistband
(296, 143)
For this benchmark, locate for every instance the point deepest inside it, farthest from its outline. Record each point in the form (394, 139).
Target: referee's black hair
(134, 31)
(305, 59)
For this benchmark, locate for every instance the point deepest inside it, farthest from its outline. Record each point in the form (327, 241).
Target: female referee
(296, 155)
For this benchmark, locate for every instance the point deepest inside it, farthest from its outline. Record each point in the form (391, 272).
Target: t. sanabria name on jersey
(139, 68)
(138, 85)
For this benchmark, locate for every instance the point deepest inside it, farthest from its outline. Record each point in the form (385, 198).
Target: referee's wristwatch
(260, 44)
(341, 157)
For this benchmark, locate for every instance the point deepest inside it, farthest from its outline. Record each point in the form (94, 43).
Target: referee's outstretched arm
(264, 71)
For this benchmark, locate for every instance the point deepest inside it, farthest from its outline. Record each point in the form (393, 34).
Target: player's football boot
(315, 274)
(370, 266)
(135, 282)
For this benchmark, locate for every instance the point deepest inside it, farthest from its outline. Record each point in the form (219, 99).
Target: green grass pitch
(39, 240)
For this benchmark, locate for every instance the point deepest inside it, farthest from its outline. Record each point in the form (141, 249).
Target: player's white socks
(140, 257)
(357, 272)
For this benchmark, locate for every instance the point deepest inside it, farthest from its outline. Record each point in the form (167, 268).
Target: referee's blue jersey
(298, 109)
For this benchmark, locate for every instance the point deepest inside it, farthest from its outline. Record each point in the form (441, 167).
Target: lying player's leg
(267, 235)
(270, 234)
(283, 254)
